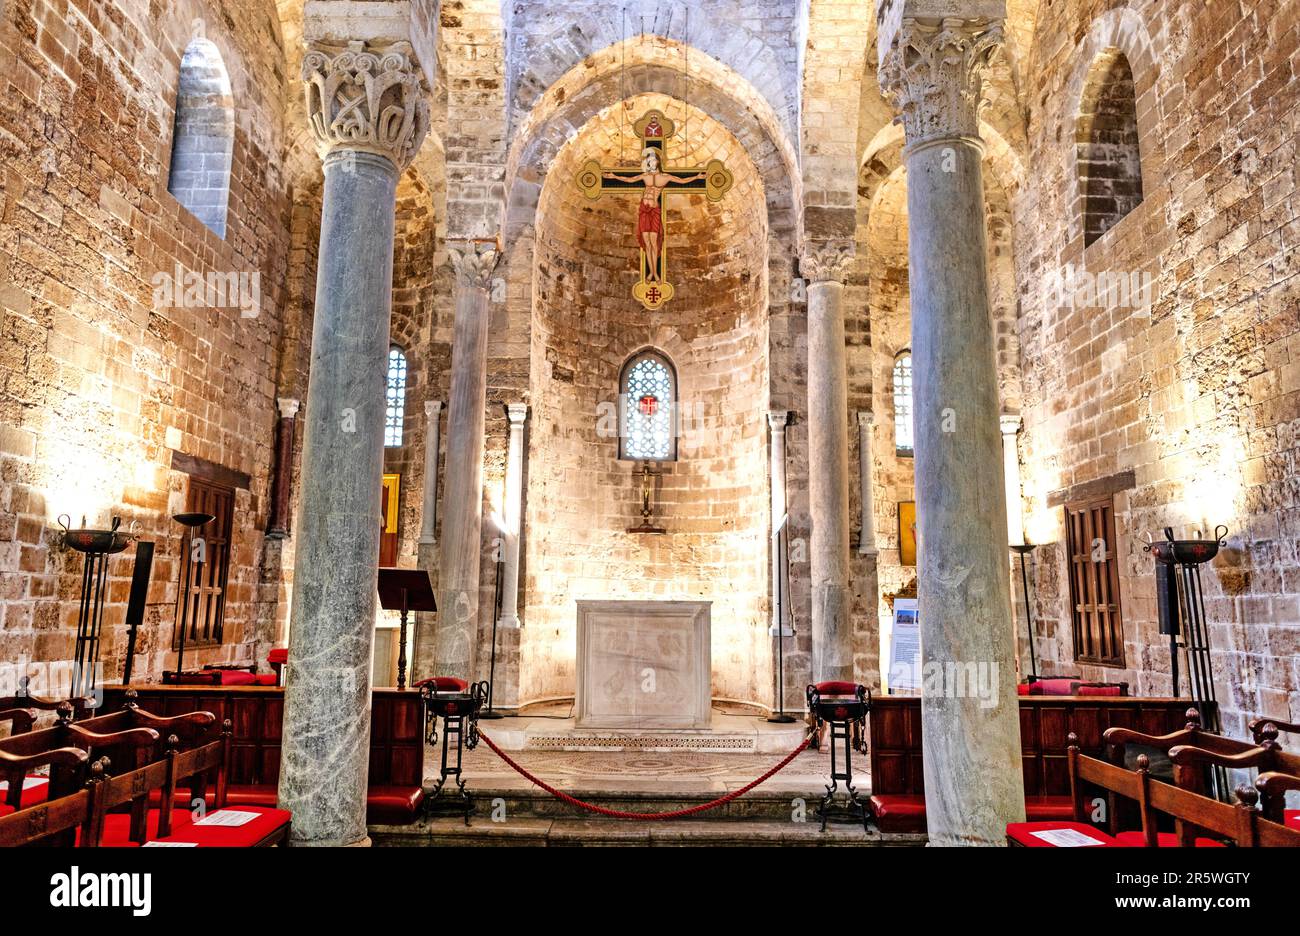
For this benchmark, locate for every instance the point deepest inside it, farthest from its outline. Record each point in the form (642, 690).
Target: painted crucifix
(653, 181)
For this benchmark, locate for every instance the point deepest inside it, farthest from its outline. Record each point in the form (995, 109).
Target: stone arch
(585, 91)
(1119, 32)
(589, 42)
(203, 136)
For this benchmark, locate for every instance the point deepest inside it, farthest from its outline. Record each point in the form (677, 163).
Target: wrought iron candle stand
(1023, 550)
(184, 579)
(456, 708)
(1186, 557)
(96, 546)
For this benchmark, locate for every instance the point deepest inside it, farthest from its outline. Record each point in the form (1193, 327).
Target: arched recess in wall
(203, 136)
(647, 389)
(1108, 159)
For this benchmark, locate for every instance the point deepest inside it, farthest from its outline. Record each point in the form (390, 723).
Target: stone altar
(643, 664)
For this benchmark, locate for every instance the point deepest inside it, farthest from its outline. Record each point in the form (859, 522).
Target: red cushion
(278, 655)
(31, 795)
(1163, 840)
(1022, 833)
(836, 687)
(1049, 808)
(1292, 818)
(117, 828)
(1098, 691)
(442, 684)
(244, 836)
(1023, 688)
(1052, 687)
(899, 812)
(393, 805)
(264, 679)
(236, 678)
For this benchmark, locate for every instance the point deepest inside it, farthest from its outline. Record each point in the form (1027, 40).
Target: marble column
(932, 66)
(517, 413)
(867, 471)
(776, 420)
(1010, 423)
(825, 265)
(462, 515)
(282, 481)
(368, 111)
(429, 504)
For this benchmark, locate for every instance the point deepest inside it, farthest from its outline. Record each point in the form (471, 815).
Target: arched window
(396, 397)
(903, 403)
(648, 392)
(1106, 145)
(203, 137)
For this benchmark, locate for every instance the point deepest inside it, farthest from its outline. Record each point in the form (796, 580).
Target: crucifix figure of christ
(653, 181)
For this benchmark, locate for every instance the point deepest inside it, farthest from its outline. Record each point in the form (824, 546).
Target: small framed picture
(907, 533)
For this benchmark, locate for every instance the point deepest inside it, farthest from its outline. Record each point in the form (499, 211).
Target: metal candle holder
(185, 578)
(1024, 549)
(97, 546)
(1187, 556)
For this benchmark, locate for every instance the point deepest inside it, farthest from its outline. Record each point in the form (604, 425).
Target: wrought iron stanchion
(491, 712)
(96, 546)
(845, 707)
(455, 705)
(184, 579)
(1025, 549)
(1187, 556)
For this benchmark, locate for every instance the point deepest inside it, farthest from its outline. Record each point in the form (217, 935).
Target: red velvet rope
(646, 817)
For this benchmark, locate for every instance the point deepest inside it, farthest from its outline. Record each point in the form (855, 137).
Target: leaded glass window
(903, 403)
(396, 397)
(648, 392)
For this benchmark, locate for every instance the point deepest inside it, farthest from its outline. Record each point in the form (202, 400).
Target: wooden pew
(897, 780)
(395, 792)
(1279, 768)
(20, 720)
(81, 705)
(1194, 814)
(1257, 729)
(58, 818)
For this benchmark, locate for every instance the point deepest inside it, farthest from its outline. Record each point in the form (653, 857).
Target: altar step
(728, 734)
(540, 832)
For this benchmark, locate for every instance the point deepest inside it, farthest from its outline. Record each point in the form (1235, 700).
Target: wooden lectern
(405, 590)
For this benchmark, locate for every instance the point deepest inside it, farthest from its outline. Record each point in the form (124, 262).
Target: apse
(711, 341)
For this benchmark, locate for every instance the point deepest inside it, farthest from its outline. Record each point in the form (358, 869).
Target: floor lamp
(1025, 549)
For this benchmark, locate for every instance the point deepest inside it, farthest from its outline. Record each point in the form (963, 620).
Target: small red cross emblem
(652, 294)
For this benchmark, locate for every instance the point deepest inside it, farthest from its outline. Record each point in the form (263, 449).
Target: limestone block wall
(1197, 393)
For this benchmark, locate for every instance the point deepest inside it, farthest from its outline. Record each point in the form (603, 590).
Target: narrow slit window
(395, 417)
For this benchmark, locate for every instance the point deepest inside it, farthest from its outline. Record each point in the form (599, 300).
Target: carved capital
(516, 413)
(432, 408)
(934, 74)
(370, 100)
(866, 417)
(825, 261)
(777, 419)
(475, 264)
(288, 407)
(1010, 423)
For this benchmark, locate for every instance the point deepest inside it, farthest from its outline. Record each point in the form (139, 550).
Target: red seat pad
(244, 836)
(836, 687)
(1292, 818)
(1099, 691)
(117, 828)
(1053, 687)
(899, 812)
(1022, 833)
(393, 805)
(278, 655)
(442, 684)
(1163, 840)
(1049, 808)
(31, 795)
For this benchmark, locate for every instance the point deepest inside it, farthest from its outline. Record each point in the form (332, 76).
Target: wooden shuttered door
(1094, 582)
(207, 592)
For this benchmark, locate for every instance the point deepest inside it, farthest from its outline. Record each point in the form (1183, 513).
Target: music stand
(405, 590)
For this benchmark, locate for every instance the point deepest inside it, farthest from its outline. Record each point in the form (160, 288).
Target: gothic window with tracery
(648, 395)
(903, 403)
(395, 416)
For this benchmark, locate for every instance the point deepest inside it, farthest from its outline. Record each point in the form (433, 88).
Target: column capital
(778, 419)
(933, 72)
(288, 407)
(517, 413)
(1010, 423)
(474, 263)
(367, 98)
(825, 261)
(432, 408)
(866, 417)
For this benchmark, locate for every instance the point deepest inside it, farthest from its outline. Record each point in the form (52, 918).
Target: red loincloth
(648, 220)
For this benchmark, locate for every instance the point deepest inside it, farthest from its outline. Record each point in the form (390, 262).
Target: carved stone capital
(432, 408)
(516, 413)
(866, 417)
(825, 261)
(933, 73)
(777, 419)
(288, 407)
(475, 264)
(370, 100)
(1010, 423)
